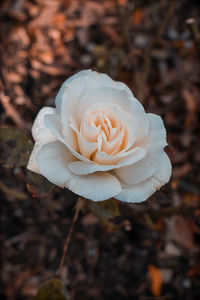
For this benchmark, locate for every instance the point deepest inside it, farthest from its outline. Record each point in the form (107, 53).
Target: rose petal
(140, 192)
(86, 148)
(88, 131)
(157, 133)
(58, 100)
(115, 145)
(32, 163)
(53, 122)
(107, 95)
(71, 95)
(53, 160)
(39, 130)
(117, 139)
(130, 131)
(97, 187)
(105, 80)
(83, 168)
(95, 78)
(141, 170)
(42, 135)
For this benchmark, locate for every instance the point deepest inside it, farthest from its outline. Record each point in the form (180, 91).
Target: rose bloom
(99, 143)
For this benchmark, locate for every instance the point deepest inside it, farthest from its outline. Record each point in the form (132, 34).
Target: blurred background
(152, 250)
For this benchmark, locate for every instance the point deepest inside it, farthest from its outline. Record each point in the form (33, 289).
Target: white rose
(99, 142)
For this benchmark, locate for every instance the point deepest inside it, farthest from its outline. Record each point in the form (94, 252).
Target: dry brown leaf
(156, 280)
(179, 231)
(14, 77)
(179, 172)
(191, 106)
(137, 16)
(11, 110)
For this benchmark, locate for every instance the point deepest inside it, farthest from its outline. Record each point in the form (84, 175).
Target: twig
(147, 57)
(192, 26)
(79, 205)
(141, 212)
(123, 19)
(170, 211)
(20, 237)
(13, 193)
(10, 110)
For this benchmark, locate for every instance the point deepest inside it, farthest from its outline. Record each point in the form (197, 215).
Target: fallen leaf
(156, 280)
(38, 185)
(191, 106)
(15, 147)
(179, 231)
(137, 16)
(104, 209)
(52, 289)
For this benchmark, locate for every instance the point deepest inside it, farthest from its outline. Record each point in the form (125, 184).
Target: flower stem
(78, 206)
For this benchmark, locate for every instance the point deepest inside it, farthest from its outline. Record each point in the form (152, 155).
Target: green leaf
(52, 289)
(15, 147)
(38, 185)
(107, 209)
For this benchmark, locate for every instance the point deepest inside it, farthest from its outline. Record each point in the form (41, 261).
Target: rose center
(104, 123)
(101, 130)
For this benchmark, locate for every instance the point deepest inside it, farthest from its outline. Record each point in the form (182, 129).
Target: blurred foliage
(104, 209)
(38, 185)
(52, 289)
(15, 147)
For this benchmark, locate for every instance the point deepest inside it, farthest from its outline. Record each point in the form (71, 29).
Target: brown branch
(10, 110)
(142, 212)
(170, 211)
(192, 26)
(79, 205)
(123, 20)
(13, 193)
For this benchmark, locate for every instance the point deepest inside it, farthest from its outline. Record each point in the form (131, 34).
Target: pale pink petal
(32, 163)
(41, 135)
(103, 158)
(58, 100)
(83, 168)
(115, 145)
(131, 131)
(97, 186)
(157, 133)
(107, 95)
(88, 131)
(118, 138)
(105, 80)
(39, 130)
(142, 191)
(54, 124)
(85, 148)
(72, 94)
(141, 170)
(164, 171)
(97, 78)
(53, 160)
(70, 137)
